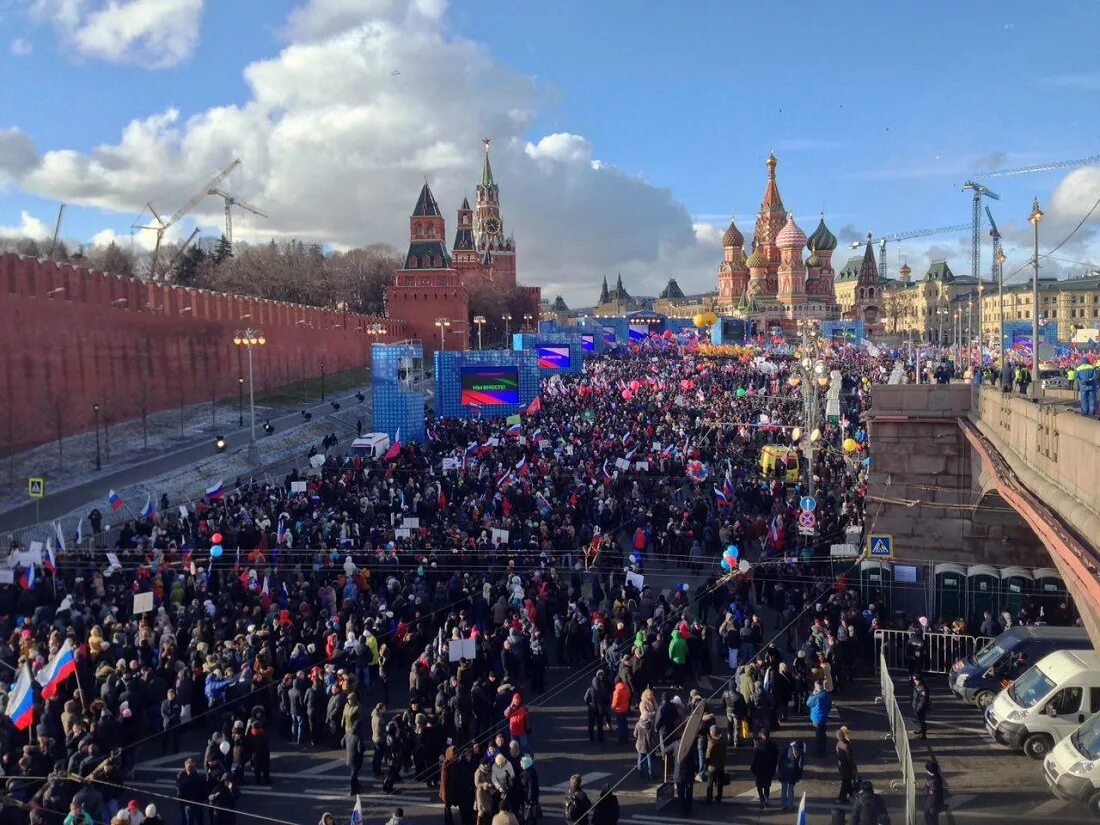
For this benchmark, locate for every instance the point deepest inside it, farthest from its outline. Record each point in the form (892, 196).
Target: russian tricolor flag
(60, 668)
(114, 499)
(720, 497)
(521, 465)
(26, 581)
(21, 701)
(215, 491)
(50, 561)
(150, 509)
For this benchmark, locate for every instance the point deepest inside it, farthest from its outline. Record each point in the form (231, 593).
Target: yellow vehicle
(773, 454)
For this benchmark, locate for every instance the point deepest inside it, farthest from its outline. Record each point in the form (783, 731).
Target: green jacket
(678, 649)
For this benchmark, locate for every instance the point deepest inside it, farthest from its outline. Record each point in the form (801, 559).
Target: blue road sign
(881, 546)
(809, 504)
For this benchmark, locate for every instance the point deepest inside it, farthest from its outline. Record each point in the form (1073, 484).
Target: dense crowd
(453, 575)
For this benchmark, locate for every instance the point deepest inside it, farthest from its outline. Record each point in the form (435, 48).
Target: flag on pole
(50, 561)
(114, 499)
(521, 465)
(720, 498)
(357, 812)
(150, 509)
(215, 491)
(21, 701)
(802, 811)
(26, 581)
(265, 589)
(79, 532)
(535, 406)
(395, 449)
(61, 535)
(60, 668)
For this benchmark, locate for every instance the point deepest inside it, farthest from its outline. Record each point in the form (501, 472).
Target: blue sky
(624, 129)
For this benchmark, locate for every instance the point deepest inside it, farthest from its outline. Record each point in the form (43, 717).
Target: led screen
(554, 358)
(609, 335)
(488, 386)
(639, 332)
(588, 342)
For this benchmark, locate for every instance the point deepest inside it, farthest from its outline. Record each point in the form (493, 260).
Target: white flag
(60, 535)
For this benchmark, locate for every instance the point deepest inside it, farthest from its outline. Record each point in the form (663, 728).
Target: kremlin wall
(72, 338)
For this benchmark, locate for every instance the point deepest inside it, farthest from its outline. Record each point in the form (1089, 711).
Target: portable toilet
(950, 591)
(1049, 590)
(982, 588)
(875, 583)
(1016, 586)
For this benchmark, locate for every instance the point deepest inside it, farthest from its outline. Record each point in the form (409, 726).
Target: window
(1094, 699)
(872, 292)
(1066, 701)
(412, 262)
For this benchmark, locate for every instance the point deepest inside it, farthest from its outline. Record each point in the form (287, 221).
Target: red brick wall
(84, 345)
(419, 297)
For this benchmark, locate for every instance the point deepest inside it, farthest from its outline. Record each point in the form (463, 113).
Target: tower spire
(486, 169)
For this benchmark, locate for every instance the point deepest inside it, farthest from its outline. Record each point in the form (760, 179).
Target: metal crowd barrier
(940, 651)
(899, 732)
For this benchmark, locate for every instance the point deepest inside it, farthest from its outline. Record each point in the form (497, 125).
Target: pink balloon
(627, 395)
(634, 385)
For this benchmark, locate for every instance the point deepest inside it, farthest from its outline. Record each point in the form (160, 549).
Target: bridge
(970, 475)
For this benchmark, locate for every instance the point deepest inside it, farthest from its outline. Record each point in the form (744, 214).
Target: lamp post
(1035, 387)
(507, 319)
(1001, 306)
(240, 400)
(250, 339)
(442, 323)
(969, 330)
(813, 369)
(527, 319)
(95, 412)
(941, 313)
(981, 329)
(480, 321)
(956, 334)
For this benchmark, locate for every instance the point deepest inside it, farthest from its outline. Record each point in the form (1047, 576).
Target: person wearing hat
(224, 801)
(922, 702)
(868, 807)
(934, 788)
(1086, 383)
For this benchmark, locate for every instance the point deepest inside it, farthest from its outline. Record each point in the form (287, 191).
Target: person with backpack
(789, 773)
(577, 803)
(737, 715)
(868, 807)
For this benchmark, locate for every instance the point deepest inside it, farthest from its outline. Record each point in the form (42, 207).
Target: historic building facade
(773, 284)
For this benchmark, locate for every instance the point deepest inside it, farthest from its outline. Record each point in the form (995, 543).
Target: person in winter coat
(765, 760)
(529, 787)
(620, 706)
(519, 723)
(686, 769)
(645, 742)
(922, 702)
(151, 816)
(868, 808)
(933, 786)
(789, 773)
(819, 704)
(484, 795)
(449, 778)
(846, 764)
(505, 816)
(715, 763)
(577, 803)
(598, 700)
(606, 810)
(224, 798)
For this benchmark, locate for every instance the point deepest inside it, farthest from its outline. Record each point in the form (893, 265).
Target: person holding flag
(59, 668)
(21, 701)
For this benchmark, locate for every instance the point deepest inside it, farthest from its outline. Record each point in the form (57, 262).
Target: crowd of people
(409, 609)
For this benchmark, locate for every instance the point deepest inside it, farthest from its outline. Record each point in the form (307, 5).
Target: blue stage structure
(557, 353)
(485, 383)
(731, 331)
(846, 331)
(1018, 334)
(395, 405)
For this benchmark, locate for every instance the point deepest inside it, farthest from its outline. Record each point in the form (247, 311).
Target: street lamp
(813, 370)
(480, 321)
(956, 334)
(527, 319)
(240, 401)
(969, 330)
(507, 319)
(1001, 306)
(250, 339)
(442, 323)
(1035, 216)
(95, 412)
(981, 329)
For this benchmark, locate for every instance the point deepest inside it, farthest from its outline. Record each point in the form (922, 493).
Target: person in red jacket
(519, 725)
(620, 706)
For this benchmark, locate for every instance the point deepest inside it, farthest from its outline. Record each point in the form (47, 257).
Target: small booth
(1049, 589)
(1017, 585)
(982, 588)
(950, 591)
(875, 583)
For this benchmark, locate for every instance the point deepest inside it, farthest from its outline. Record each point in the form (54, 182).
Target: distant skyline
(622, 142)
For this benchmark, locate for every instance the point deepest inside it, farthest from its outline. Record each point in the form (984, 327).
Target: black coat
(869, 809)
(765, 760)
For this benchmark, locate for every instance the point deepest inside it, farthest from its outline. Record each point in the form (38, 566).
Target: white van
(371, 445)
(1047, 702)
(1073, 768)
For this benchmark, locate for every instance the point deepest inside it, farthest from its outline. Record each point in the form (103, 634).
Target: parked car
(1072, 769)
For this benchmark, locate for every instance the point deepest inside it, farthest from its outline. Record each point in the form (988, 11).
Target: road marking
(324, 767)
(274, 774)
(317, 793)
(587, 780)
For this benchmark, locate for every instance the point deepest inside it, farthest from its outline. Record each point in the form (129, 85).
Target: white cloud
(30, 227)
(152, 33)
(17, 156)
(334, 147)
(21, 47)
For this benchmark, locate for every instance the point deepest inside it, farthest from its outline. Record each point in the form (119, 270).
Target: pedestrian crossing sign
(880, 546)
(36, 487)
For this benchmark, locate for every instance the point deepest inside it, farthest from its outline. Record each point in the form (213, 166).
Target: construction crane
(231, 201)
(905, 236)
(996, 236)
(1042, 167)
(56, 232)
(162, 226)
(976, 225)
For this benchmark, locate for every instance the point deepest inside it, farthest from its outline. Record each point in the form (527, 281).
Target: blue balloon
(733, 551)
(725, 565)
(216, 551)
